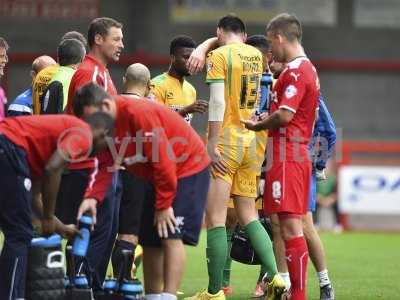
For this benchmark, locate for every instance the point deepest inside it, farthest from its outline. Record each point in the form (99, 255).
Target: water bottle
(45, 276)
(80, 244)
(266, 83)
(129, 289)
(110, 286)
(132, 289)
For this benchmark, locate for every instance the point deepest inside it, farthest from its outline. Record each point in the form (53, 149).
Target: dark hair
(4, 44)
(258, 41)
(181, 41)
(287, 25)
(232, 23)
(70, 52)
(91, 94)
(75, 35)
(101, 26)
(100, 119)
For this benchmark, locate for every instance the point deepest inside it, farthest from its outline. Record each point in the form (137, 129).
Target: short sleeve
(76, 143)
(158, 93)
(216, 69)
(294, 87)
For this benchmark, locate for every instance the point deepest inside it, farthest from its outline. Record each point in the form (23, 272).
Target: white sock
(168, 296)
(286, 279)
(323, 278)
(152, 296)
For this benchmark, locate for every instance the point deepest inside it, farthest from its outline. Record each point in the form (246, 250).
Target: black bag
(242, 251)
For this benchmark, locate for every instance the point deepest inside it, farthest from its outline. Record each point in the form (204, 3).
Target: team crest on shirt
(209, 66)
(290, 91)
(170, 95)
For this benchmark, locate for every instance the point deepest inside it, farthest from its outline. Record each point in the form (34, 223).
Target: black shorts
(189, 205)
(70, 194)
(133, 194)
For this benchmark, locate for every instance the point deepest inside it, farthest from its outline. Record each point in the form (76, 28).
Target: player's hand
(164, 219)
(67, 231)
(200, 106)
(320, 175)
(261, 186)
(249, 124)
(88, 205)
(197, 60)
(217, 163)
(48, 226)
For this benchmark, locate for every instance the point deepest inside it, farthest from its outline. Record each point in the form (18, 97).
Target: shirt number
(249, 91)
(276, 190)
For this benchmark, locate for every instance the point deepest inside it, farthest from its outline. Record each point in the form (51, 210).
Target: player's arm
(198, 106)
(279, 118)
(99, 182)
(197, 59)
(51, 182)
(215, 118)
(326, 130)
(291, 98)
(66, 231)
(160, 154)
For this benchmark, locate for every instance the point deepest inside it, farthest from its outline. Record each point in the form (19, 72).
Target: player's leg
(15, 220)
(279, 250)
(133, 191)
(153, 271)
(231, 221)
(174, 264)
(248, 218)
(103, 236)
(217, 246)
(244, 189)
(189, 206)
(153, 258)
(315, 246)
(296, 253)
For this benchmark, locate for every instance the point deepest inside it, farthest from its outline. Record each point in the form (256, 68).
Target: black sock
(117, 258)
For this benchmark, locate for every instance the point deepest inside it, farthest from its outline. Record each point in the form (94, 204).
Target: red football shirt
(157, 144)
(296, 90)
(90, 70)
(41, 136)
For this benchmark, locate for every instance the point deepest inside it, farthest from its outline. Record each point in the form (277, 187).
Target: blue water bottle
(266, 83)
(80, 245)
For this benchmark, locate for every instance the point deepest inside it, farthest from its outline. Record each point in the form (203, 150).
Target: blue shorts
(189, 205)
(312, 198)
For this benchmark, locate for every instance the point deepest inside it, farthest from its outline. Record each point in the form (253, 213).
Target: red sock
(296, 259)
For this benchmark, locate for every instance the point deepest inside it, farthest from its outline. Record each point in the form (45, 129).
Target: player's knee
(231, 218)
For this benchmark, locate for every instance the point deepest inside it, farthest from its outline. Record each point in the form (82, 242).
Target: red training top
(159, 146)
(296, 90)
(91, 70)
(40, 136)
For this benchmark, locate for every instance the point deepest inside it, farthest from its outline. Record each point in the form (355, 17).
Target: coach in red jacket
(33, 153)
(156, 143)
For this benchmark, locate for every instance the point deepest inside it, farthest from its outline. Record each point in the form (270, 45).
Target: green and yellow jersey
(173, 93)
(239, 67)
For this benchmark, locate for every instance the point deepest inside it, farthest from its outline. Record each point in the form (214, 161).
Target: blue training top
(22, 105)
(325, 130)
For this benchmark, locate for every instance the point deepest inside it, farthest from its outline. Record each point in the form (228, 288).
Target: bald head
(40, 63)
(137, 74)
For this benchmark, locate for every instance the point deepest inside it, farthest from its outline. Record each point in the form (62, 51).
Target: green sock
(216, 257)
(227, 269)
(262, 246)
(263, 270)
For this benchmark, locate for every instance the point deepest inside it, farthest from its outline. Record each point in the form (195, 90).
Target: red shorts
(287, 187)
